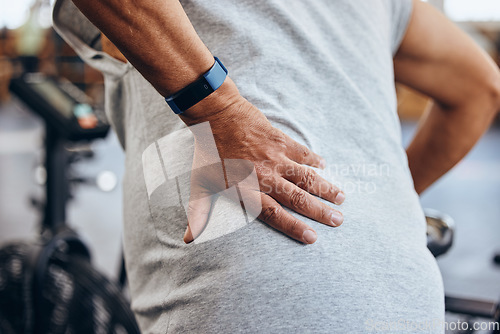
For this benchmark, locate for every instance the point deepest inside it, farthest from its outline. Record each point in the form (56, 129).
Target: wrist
(224, 97)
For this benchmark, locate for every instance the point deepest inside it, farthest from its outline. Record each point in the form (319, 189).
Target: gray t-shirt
(321, 71)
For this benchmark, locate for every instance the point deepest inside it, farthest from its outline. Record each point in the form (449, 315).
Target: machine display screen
(64, 107)
(62, 103)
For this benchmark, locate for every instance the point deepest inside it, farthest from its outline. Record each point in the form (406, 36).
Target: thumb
(198, 214)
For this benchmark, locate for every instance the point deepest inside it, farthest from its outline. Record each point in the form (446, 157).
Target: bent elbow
(483, 96)
(491, 91)
(495, 91)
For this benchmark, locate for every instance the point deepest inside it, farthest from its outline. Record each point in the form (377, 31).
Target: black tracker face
(63, 112)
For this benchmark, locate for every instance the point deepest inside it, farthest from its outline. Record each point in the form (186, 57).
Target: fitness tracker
(198, 90)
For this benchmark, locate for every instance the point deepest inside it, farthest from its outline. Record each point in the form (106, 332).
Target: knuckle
(263, 170)
(280, 139)
(308, 179)
(324, 214)
(269, 184)
(305, 152)
(298, 199)
(270, 213)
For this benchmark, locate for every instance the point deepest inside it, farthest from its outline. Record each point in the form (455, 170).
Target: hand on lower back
(268, 169)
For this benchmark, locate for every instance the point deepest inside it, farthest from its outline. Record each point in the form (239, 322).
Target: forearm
(445, 136)
(439, 60)
(157, 37)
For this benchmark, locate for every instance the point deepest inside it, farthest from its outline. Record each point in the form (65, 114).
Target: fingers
(301, 154)
(307, 179)
(198, 215)
(275, 216)
(304, 203)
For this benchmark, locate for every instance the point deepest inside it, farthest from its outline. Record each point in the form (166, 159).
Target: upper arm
(439, 60)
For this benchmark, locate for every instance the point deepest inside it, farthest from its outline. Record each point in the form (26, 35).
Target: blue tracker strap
(198, 90)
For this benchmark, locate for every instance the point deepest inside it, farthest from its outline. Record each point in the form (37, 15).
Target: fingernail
(322, 164)
(309, 236)
(340, 198)
(337, 218)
